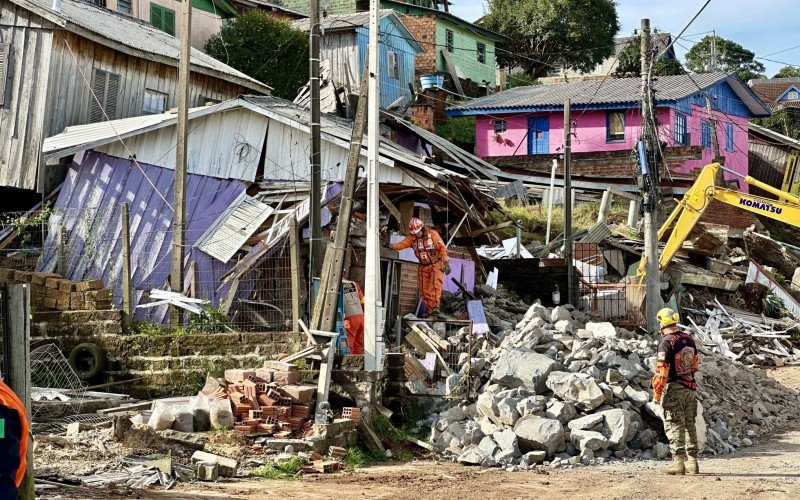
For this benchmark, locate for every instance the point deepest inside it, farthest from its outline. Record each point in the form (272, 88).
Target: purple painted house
(529, 121)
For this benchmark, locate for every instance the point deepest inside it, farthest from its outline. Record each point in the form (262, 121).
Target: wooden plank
(451, 68)
(393, 209)
(294, 253)
(489, 229)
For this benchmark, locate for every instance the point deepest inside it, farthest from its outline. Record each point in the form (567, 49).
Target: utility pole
(315, 255)
(650, 185)
(179, 202)
(714, 50)
(373, 305)
(568, 201)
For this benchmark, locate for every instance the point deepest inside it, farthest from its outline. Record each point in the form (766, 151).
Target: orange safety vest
(429, 248)
(10, 400)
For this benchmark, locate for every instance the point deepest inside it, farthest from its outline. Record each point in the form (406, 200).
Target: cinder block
(237, 375)
(300, 393)
(286, 378)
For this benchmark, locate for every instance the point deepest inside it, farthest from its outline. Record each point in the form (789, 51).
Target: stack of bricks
(50, 291)
(270, 401)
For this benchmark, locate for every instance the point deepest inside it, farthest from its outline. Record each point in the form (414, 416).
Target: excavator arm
(698, 197)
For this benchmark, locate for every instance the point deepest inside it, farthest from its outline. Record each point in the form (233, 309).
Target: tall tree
(545, 34)
(269, 50)
(630, 61)
(717, 53)
(788, 72)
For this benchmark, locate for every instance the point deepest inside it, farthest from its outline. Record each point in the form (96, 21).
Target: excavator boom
(696, 200)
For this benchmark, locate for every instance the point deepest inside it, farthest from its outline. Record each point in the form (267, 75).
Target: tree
(782, 122)
(788, 72)
(729, 56)
(269, 50)
(630, 62)
(545, 34)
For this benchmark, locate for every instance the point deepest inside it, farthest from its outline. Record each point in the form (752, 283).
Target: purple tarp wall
(89, 207)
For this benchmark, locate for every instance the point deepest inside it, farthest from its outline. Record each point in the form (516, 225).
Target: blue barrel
(431, 81)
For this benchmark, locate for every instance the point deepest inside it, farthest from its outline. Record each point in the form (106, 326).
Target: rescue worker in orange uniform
(430, 250)
(13, 442)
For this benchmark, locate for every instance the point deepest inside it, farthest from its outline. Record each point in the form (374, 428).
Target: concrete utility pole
(571, 292)
(651, 189)
(373, 305)
(316, 160)
(179, 203)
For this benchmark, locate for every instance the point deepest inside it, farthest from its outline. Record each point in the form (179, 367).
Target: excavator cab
(791, 175)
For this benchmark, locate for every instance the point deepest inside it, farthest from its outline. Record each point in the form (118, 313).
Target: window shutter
(99, 79)
(169, 21)
(156, 19)
(4, 47)
(112, 92)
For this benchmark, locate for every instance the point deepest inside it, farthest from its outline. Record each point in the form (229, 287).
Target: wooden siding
(391, 39)
(23, 110)
(341, 50)
(766, 163)
(69, 95)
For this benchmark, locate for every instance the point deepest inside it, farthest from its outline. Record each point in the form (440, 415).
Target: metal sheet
(227, 235)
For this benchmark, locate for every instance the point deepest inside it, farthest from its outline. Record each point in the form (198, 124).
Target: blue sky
(764, 27)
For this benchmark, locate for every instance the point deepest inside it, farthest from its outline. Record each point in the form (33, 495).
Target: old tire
(88, 360)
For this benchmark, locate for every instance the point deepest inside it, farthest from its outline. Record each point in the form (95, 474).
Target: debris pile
(564, 391)
(741, 335)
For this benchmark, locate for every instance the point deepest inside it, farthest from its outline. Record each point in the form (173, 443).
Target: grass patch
(357, 457)
(282, 470)
(533, 219)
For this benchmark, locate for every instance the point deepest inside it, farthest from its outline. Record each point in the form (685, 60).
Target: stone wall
(168, 364)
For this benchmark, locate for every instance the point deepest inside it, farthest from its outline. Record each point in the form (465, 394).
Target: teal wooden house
(344, 44)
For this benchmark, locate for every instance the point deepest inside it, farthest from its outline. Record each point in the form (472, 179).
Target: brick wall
(612, 164)
(424, 29)
(169, 364)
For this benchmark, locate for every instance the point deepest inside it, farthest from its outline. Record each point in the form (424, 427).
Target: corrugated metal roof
(597, 92)
(340, 21)
(135, 34)
(350, 22)
(227, 235)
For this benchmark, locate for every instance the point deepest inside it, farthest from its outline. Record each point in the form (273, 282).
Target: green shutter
(169, 21)
(156, 19)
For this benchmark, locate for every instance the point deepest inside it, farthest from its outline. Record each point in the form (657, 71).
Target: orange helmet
(415, 225)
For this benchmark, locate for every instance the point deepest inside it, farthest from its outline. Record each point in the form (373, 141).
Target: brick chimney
(428, 111)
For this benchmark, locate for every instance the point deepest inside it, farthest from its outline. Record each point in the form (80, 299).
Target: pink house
(606, 116)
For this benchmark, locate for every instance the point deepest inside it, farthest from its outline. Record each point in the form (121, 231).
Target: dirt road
(770, 470)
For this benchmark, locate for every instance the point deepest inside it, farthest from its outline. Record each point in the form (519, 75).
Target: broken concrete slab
(578, 388)
(521, 368)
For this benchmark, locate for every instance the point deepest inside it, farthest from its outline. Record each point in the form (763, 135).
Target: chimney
(56, 5)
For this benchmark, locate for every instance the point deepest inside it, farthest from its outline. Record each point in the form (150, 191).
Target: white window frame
(392, 65)
(150, 97)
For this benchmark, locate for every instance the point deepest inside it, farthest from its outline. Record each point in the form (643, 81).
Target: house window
(500, 126)
(729, 137)
(615, 126)
(449, 40)
(4, 48)
(392, 66)
(103, 99)
(705, 135)
(124, 6)
(162, 18)
(681, 137)
(101, 3)
(793, 95)
(482, 53)
(154, 102)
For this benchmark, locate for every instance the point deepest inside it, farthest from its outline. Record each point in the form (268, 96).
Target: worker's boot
(678, 466)
(691, 464)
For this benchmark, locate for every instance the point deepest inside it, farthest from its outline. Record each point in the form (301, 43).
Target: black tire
(88, 360)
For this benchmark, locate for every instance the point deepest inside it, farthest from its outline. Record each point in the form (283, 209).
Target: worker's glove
(446, 268)
(389, 246)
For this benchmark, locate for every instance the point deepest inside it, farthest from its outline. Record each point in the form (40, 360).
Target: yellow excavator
(696, 200)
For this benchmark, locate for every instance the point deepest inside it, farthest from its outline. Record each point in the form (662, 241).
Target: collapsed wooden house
(248, 167)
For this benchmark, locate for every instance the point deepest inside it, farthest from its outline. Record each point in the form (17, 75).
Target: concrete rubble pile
(561, 390)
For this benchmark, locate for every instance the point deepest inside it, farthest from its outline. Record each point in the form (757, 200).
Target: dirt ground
(770, 469)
